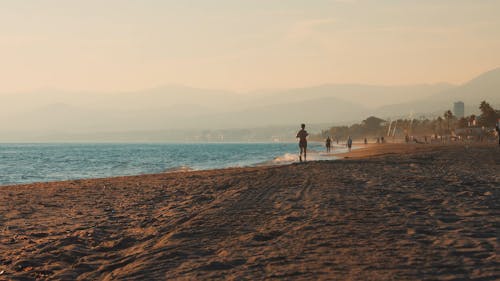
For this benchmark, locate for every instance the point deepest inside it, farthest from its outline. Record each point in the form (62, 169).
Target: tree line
(374, 127)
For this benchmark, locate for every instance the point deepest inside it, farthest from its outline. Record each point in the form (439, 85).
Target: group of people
(328, 144)
(302, 136)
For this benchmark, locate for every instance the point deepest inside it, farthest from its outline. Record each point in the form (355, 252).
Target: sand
(388, 212)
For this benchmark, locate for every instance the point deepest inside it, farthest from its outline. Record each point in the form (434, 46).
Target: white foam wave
(286, 158)
(289, 158)
(178, 169)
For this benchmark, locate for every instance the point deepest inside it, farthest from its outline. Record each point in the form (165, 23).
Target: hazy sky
(113, 45)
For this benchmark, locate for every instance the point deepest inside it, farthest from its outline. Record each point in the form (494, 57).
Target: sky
(243, 45)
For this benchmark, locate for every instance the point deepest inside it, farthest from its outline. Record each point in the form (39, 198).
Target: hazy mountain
(169, 96)
(369, 96)
(315, 110)
(484, 87)
(178, 108)
(155, 98)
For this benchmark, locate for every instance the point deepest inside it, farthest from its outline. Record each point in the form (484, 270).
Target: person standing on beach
(302, 136)
(349, 143)
(497, 128)
(328, 144)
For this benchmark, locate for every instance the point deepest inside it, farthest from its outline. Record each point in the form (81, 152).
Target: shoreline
(320, 155)
(184, 169)
(359, 152)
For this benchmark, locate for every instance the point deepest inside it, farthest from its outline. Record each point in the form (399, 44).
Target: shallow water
(28, 163)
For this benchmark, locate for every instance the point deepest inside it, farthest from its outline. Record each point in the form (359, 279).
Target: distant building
(458, 109)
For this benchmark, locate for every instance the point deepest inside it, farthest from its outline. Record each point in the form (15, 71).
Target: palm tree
(448, 116)
(488, 116)
(439, 122)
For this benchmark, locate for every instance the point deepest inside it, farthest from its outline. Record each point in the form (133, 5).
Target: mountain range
(178, 108)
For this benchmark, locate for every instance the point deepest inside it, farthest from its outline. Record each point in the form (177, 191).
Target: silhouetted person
(366, 141)
(328, 144)
(497, 128)
(382, 139)
(349, 143)
(302, 136)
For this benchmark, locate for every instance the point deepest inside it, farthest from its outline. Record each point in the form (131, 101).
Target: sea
(46, 162)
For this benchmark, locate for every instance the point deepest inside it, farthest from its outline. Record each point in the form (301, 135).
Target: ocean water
(28, 163)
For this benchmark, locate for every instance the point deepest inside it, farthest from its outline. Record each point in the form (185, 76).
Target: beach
(384, 212)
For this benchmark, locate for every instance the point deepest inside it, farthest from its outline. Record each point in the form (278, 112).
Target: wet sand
(388, 212)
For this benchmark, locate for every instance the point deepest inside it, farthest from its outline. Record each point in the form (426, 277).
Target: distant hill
(314, 110)
(369, 96)
(484, 87)
(178, 108)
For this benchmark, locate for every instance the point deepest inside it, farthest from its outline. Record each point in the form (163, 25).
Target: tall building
(458, 109)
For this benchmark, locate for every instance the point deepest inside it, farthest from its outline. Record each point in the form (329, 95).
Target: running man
(302, 136)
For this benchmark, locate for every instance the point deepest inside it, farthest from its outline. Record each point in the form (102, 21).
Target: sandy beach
(385, 212)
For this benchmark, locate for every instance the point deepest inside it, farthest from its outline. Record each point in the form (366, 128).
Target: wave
(179, 169)
(289, 158)
(285, 158)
